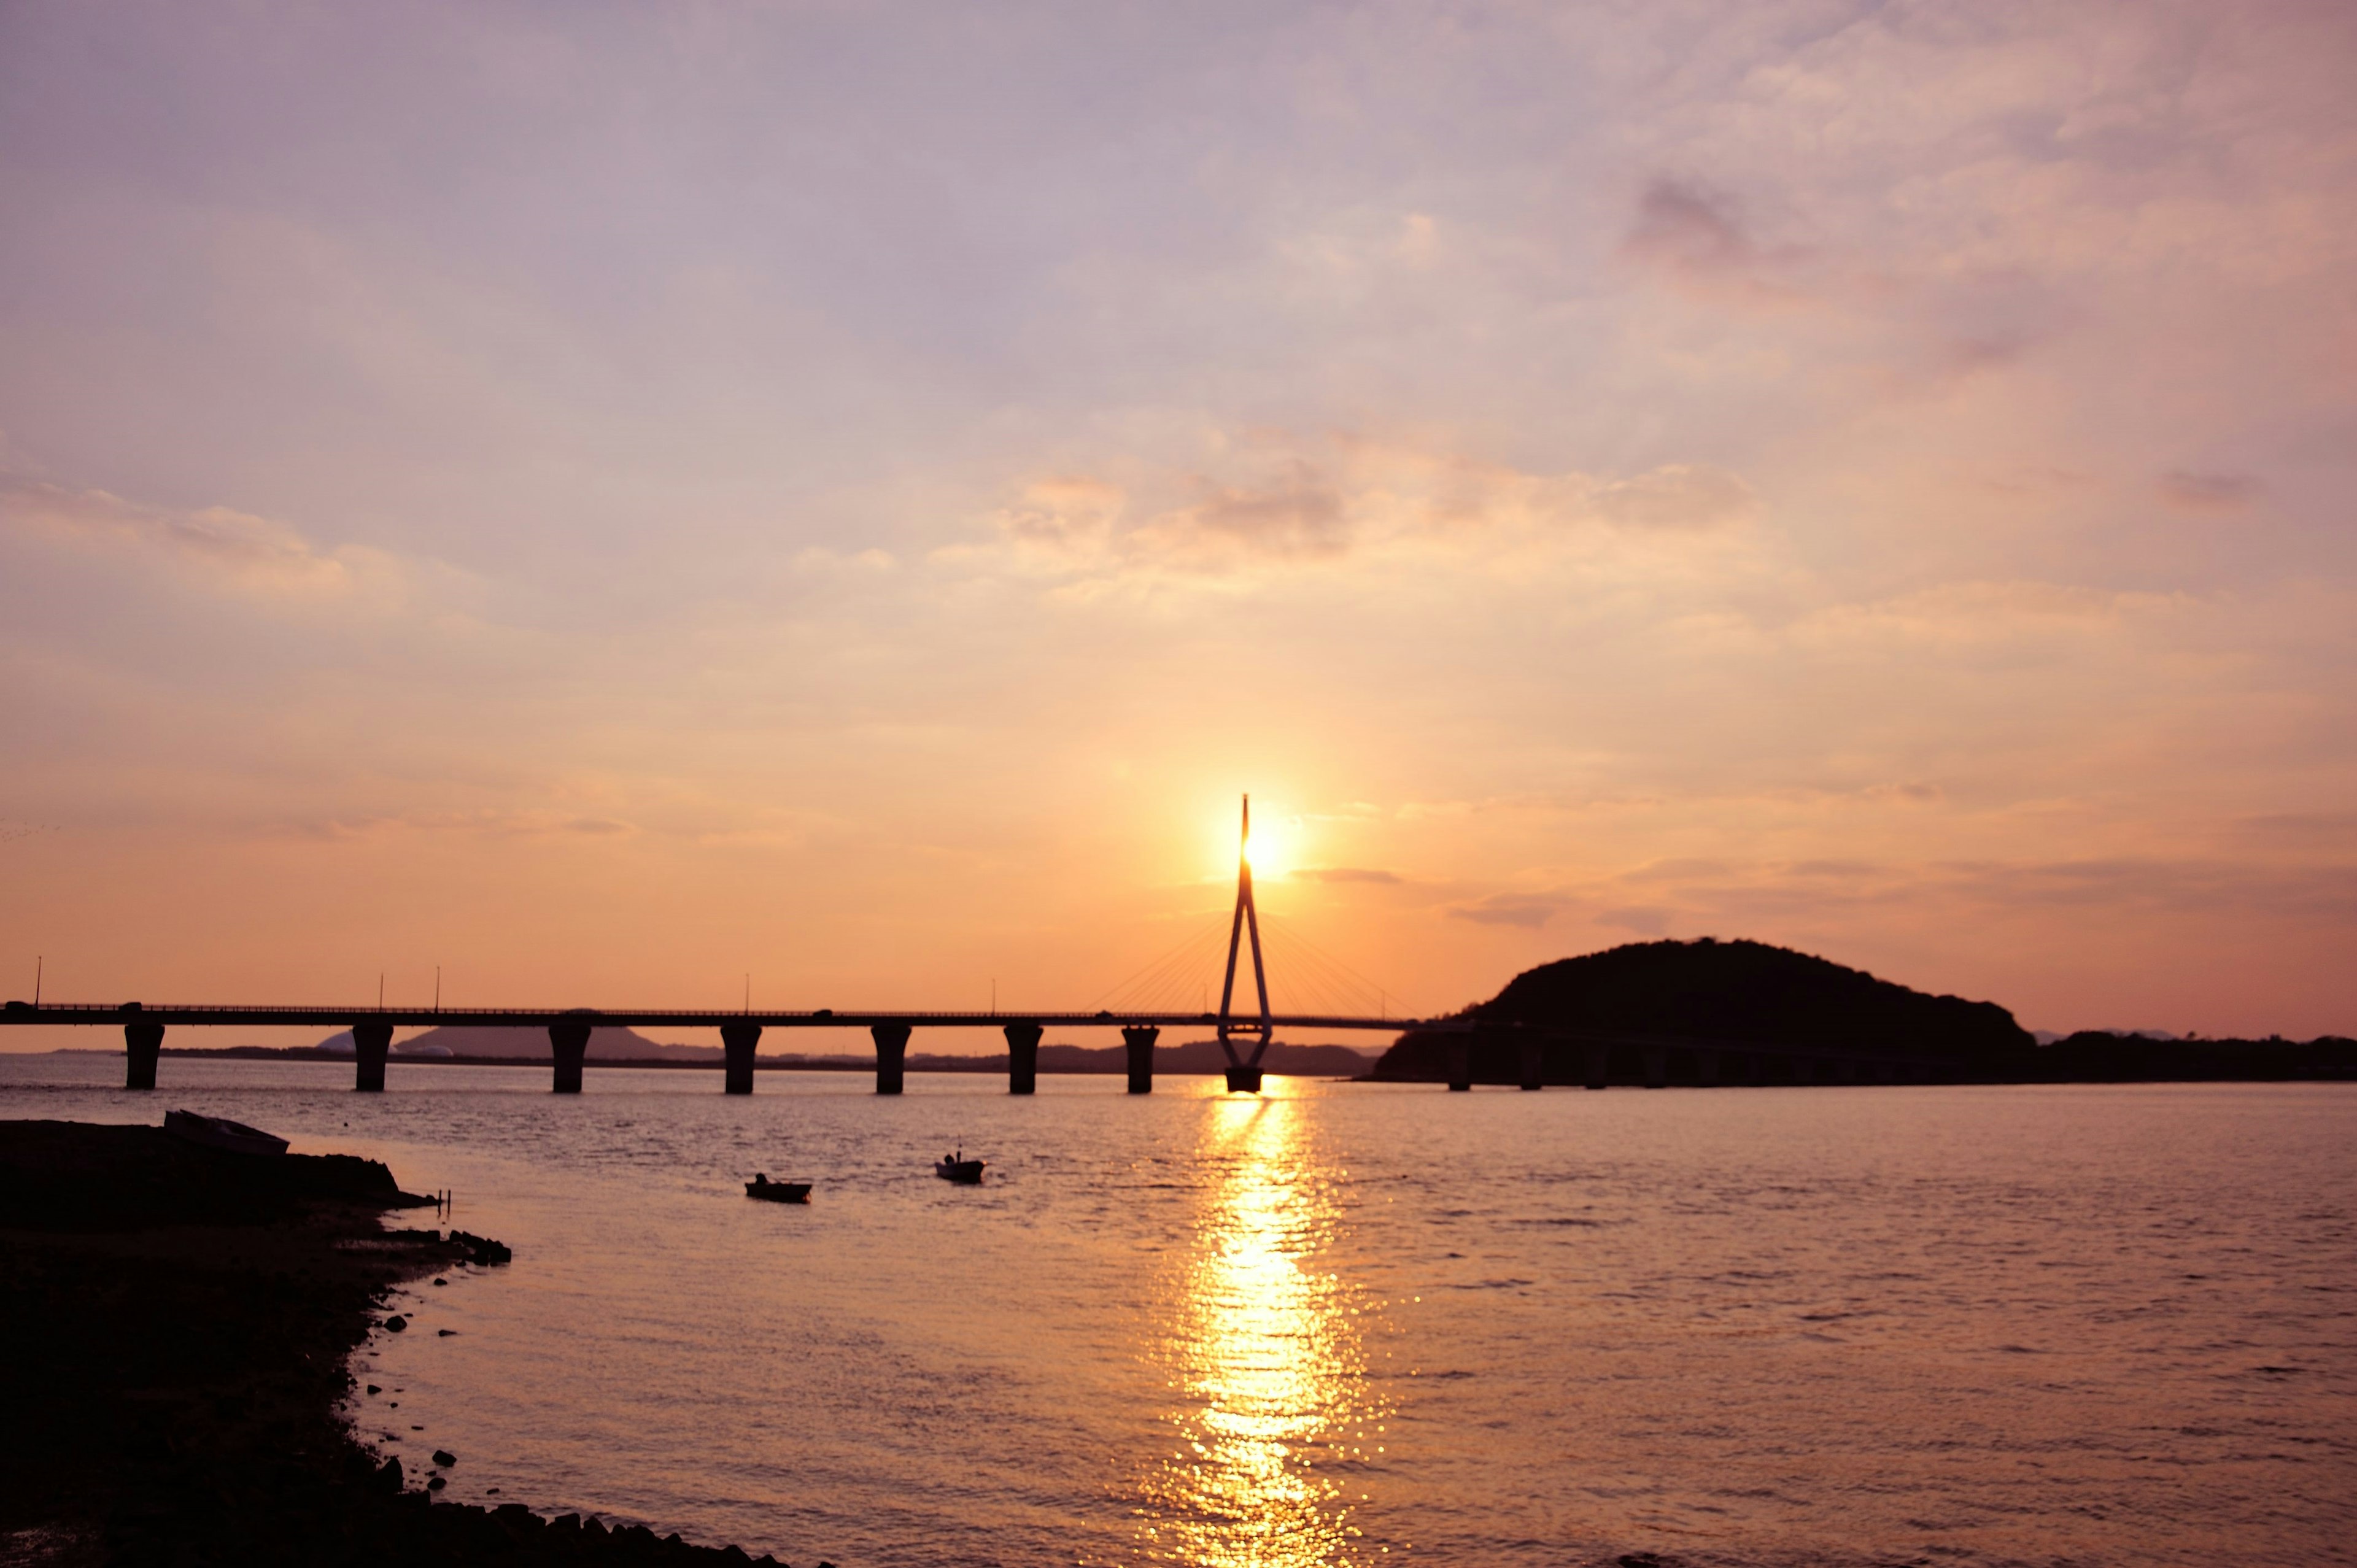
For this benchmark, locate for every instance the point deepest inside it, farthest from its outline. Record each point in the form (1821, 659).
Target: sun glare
(1270, 851)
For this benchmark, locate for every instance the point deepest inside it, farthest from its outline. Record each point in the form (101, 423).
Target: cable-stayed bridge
(1140, 1008)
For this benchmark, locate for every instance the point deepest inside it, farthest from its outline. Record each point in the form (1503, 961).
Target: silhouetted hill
(1707, 995)
(1743, 1011)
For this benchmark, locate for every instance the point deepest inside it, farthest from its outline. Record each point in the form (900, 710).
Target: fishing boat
(768, 1191)
(956, 1168)
(220, 1132)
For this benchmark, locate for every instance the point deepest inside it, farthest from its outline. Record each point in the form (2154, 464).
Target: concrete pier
(1600, 1066)
(1460, 1067)
(372, 1042)
(1022, 1058)
(568, 1042)
(1243, 1081)
(738, 1041)
(141, 1045)
(891, 1055)
(1707, 1068)
(1657, 1066)
(1138, 1040)
(1533, 1054)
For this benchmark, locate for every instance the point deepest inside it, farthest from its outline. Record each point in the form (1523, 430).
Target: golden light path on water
(1267, 1352)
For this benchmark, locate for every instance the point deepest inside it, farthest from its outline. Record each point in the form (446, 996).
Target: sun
(1270, 850)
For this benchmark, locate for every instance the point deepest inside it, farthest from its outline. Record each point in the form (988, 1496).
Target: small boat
(956, 1168)
(220, 1132)
(762, 1187)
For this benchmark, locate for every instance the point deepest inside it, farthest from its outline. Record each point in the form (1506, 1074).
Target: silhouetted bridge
(740, 1031)
(740, 1034)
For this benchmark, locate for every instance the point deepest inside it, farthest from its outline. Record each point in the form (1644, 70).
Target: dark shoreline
(180, 1324)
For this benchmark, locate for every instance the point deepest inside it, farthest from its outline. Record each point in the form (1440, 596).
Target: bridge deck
(662, 1019)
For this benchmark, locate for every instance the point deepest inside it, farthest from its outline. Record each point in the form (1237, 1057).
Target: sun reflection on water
(1267, 1355)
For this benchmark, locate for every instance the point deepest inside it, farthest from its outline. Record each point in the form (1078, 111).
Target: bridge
(1244, 1034)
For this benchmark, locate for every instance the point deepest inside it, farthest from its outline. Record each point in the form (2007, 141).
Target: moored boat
(956, 1168)
(220, 1133)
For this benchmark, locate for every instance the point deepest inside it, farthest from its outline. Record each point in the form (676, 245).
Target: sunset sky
(611, 501)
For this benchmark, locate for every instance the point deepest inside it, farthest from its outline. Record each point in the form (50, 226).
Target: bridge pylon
(1243, 1072)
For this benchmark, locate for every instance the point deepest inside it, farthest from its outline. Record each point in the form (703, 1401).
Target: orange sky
(609, 505)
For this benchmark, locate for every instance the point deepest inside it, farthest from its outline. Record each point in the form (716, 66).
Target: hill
(1707, 995)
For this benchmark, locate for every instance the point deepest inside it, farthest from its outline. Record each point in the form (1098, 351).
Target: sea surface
(1350, 1324)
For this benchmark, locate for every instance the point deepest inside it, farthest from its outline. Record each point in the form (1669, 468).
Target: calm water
(1348, 1324)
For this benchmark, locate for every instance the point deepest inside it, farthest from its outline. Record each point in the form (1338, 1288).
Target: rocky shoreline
(180, 1324)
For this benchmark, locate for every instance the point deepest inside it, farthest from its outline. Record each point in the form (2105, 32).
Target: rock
(480, 1250)
(445, 1333)
(436, 1484)
(375, 1389)
(445, 1458)
(441, 1281)
(397, 1323)
(388, 1476)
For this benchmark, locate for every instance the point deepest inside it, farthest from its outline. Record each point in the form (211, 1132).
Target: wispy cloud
(1276, 502)
(212, 547)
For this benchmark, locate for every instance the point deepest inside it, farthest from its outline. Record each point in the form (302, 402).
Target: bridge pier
(1707, 1068)
(1138, 1040)
(1460, 1066)
(891, 1055)
(1243, 1081)
(737, 1042)
(1022, 1058)
(1533, 1064)
(143, 1043)
(1600, 1066)
(372, 1042)
(1657, 1066)
(569, 1043)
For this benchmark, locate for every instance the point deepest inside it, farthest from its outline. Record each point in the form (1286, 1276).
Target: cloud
(2209, 492)
(1527, 910)
(1686, 230)
(492, 823)
(1277, 502)
(1677, 496)
(1695, 239)
(214, 546)
(1299, 513)
(1345, 874)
